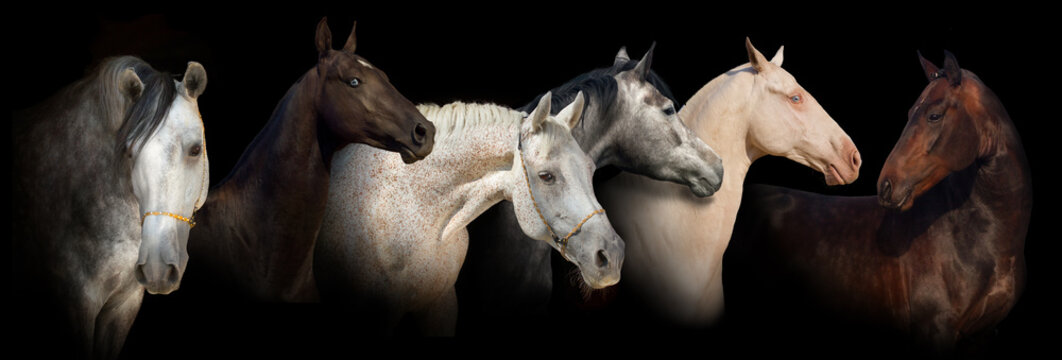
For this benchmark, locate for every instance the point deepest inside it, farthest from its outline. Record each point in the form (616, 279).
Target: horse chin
(161, 291)
(408, 156)
(833, 177)
(905, 203)
(704, 188)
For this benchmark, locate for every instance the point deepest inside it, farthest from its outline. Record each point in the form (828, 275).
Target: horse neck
(289, 143)
(1002, 183)
(473, 169)
(719, 114)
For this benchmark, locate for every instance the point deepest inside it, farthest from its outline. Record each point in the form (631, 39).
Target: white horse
(676, 240)
(393, 238)
(109, 173)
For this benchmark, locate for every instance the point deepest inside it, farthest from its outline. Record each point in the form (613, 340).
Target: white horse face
(559, 175)
(787, 121)
(170, 180)
(656, 141)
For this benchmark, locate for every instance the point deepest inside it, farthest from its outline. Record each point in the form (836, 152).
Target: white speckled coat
(393, 238)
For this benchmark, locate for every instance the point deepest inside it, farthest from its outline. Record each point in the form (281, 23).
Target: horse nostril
(886, 189)
(139, 272)
(856, 159)
(173, 275)
(419, 134)
(602, 259)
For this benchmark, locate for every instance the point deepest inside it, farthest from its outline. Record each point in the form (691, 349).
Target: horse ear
(642, 69)
(195, 80)
(352, 41)
(928, 67)
(778, 57)
(755, 57)
(571, 114)
(951, 68)
(540, 114)
(324, 37)
(622, 57)
(129, 84)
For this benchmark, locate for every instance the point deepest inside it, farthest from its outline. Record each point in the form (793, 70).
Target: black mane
(597, 84)
(147, 113)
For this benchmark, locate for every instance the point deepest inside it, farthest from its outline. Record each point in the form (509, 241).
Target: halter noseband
(562, 242)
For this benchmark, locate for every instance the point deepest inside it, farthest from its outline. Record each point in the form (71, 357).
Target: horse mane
(597, 85)
(453, 118)
(149, 109)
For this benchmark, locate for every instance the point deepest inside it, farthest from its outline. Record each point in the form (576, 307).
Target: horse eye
(355, 82)
(195, 150)
(795, 99)
(546, 176)
(670, 110)
(935, 117)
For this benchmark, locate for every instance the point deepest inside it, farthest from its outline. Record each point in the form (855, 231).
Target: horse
(938, 254)
(108, 175)
(258, 227)
(676, 241)
(393, 238)
(630, 124)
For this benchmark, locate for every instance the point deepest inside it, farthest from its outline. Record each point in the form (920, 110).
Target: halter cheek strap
(562, 242)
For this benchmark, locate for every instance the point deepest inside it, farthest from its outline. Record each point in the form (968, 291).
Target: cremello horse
(393, 237)
(108, 175)
(676, 240)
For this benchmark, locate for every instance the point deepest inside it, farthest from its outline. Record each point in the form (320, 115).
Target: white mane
(454, 117)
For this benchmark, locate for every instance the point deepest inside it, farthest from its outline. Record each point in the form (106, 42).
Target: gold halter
(563, 242)
(189, 220)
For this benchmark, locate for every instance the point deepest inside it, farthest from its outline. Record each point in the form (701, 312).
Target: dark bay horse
(107, 176)
(258, 227)
(631, 124)
(938, 255)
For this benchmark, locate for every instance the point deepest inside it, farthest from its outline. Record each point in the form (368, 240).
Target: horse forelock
(149, 109)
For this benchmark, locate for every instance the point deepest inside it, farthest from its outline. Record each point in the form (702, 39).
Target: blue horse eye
(355, 82)
(795, 99)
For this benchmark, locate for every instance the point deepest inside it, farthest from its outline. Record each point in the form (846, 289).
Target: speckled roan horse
(107, 176)
(630, 123)
(393, 237)
(257, 229)
(939, 253)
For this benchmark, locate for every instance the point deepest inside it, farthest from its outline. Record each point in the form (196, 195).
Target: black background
(859, 64)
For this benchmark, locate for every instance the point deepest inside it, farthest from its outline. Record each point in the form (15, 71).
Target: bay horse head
(943, 135)
(357, 102)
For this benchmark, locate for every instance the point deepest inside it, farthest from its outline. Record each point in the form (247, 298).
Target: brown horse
(257, 230)
(939, 254)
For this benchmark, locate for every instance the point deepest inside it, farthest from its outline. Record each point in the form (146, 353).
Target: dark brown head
(357, 102)
(943, 135)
